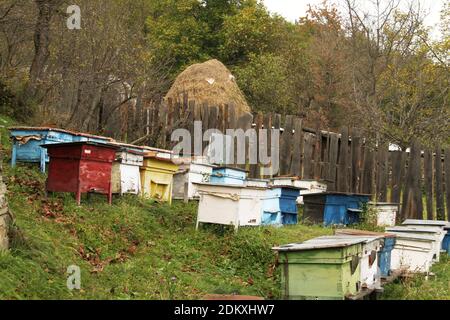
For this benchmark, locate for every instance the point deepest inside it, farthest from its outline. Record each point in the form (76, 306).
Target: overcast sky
(293, 9)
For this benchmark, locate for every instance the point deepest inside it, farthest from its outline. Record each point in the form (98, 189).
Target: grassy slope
(138, 249)
(133, 249)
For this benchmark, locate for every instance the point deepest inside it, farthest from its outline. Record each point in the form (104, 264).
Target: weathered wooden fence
(419, 179)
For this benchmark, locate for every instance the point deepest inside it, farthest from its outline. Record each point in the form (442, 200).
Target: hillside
(139, 249)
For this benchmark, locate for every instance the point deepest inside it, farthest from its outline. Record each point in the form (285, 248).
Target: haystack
(209, 82)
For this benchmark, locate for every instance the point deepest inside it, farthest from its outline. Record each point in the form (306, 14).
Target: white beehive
(438, 234)
(386, 213)
(229, 205)
(125, 177)
(187, 176)
(413, 253)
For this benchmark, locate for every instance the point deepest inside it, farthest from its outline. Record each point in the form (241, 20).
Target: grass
(140, 249)
(135, 249)
(419, 288)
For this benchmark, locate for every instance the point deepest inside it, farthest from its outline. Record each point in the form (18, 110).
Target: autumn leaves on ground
(139, 249)
(135, 249)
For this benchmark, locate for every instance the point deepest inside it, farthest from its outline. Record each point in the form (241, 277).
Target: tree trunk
(46, 9)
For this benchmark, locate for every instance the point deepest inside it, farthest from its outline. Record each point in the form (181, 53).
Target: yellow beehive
(157, 177)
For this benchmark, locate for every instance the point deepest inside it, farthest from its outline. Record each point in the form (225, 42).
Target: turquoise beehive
(27, 142)
(230, 176)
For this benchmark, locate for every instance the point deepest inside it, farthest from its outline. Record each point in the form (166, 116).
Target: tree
(265, 82)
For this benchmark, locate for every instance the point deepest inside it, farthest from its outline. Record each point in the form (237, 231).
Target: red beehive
(80, 167)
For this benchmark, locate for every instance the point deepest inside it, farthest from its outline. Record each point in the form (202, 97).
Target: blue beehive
(226, 175)
(27, 143)
(446, 241)
(384, 256)
(333, 208)
(280, 206)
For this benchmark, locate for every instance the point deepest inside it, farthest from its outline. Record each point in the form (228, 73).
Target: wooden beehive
(232, 205)
(320, 269)
(28, 141)
(80, 167)
(157, 177)
(126, 176)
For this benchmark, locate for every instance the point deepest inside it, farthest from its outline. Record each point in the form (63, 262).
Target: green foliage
(265, 83)
(368, 219)
(6, 100)
(250, 31)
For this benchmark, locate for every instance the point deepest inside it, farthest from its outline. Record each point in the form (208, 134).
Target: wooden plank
(342, 176)
(268, 146)
(440, 210)
(254, 143)
(447, 180)
(417, 180)
(226, 118)
(382, 173)
(221, 118)
(276, 124)
(317, 155)
(232, 116)
(367, 176)
(333, 158)
(163, 125)
(205, 121)
(190, 124)
(245, 122)
(285, 148)
(198, 138)
(295, 167)
(428, 177)
(171, 113)
(356, 161)
(412, 197)
(150, 124)
(308, 156)
(213, 117)
(276, 121)
(155, 123)
(398, 162)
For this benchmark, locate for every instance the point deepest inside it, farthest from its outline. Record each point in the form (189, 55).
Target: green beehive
(325, 269)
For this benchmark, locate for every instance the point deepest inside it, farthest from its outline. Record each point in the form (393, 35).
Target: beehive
(386, 213)
(126, 176)
(232, 205)
(157, 177)
(320, 269)
(280, 206)
(27, 142)
(370, 276)
(384, 254)
(226, 175)
(436, 232)
(333, 208)
(80, 167)
(412, 253)
(186, 177)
